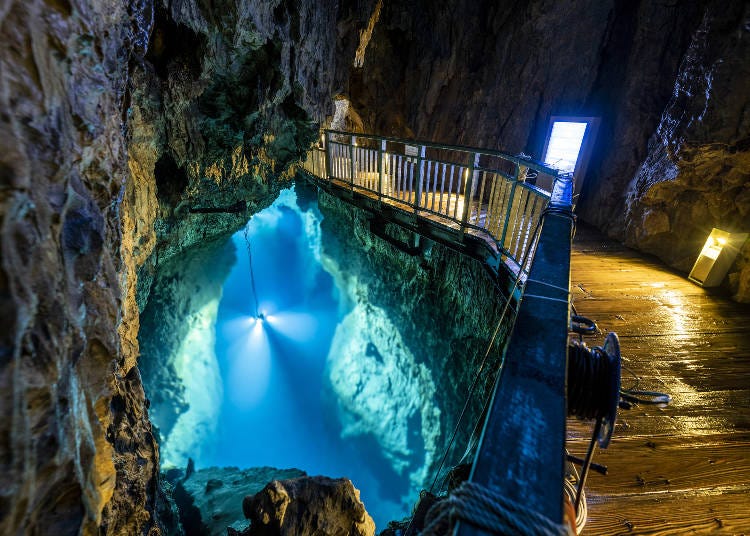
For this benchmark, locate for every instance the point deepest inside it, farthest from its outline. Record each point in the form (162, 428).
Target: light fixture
(716, 257)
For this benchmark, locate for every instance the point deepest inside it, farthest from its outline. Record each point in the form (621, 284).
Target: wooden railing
(491, 194)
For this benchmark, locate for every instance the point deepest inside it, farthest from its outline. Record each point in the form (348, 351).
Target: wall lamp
(716, 257)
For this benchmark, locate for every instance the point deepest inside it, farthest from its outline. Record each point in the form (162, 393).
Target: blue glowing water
(274, 410)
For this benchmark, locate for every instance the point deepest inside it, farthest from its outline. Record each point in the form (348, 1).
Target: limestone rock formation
(77, 454)
(380, 390)
(307, 506)
(696, 175)
(210, 499)
(178, 359)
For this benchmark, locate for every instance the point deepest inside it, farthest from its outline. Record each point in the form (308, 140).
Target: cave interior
(138, 139)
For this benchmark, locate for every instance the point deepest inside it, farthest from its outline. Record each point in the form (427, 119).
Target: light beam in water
(249, 361)
(297, 326)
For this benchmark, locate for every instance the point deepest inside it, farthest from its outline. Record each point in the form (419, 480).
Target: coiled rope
(490, 511)
(592, 382)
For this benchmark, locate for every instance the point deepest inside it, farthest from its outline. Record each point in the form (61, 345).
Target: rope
(489, 511)
(569, 488)
(252, 275)
(589, 381)
(640, 396)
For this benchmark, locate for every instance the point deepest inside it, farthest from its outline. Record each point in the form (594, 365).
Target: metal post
(469, 190)
(511, 197)
(381, 152)
(352, 141)
(420, 173)
(326, 148)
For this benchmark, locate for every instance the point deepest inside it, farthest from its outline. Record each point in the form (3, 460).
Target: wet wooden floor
(683, 468)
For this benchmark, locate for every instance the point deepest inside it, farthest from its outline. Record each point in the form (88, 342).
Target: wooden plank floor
(683, 468)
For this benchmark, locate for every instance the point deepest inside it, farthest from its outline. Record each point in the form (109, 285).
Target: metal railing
(491, 194)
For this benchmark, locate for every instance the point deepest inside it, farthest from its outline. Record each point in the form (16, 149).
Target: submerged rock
(210, 500)
(307, 506)
(382, 391)
(178, 359)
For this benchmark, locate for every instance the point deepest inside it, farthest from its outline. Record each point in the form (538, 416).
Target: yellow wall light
(716, 257)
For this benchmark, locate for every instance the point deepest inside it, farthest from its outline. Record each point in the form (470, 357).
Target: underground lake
(303, 341)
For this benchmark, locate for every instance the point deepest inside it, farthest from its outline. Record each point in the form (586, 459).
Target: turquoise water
(276, 409)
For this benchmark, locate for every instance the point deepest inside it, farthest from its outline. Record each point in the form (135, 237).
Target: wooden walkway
(683, 468)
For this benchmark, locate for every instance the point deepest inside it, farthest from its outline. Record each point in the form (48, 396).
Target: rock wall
(120, 124)
(76, 449)
(668, 80)
(696, 174)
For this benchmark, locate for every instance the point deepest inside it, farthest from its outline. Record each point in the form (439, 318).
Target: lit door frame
(584, 153)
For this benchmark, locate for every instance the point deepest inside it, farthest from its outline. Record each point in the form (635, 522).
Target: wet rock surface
(210, 500)
(307, 506)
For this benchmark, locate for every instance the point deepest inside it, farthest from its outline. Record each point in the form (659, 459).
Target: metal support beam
(420, 177)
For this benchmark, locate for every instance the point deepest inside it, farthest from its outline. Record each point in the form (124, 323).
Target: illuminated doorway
(568, 146)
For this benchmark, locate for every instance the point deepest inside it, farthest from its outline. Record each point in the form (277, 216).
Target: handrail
(480, 192)
(533, 164)
(521, 454)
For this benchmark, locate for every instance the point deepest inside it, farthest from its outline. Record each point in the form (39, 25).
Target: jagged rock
(210, 500)
(308, 506)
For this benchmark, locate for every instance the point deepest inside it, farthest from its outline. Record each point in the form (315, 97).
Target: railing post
(352, 142)
(469, 188)
(511, 198)
(381, 151)
(327, 154)
(420, 174)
